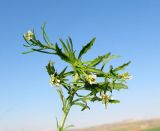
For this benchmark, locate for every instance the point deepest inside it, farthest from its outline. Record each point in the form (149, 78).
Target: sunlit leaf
(122, 66)
(86, 48)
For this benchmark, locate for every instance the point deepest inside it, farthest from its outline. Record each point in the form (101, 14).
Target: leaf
(111, 57)
(68, 73)
(71, 52)
(50, 68)
(28, 52)
(42, 51)
(62, 55)
(118, 86)
(95, 98)
(64, 46)
(63, 71)
(107, 58)
(62, 97)
(86, 48)
(71, 43)
(28, 42)
(94, 70)
(84, 106)
(122, 66)
(96, 61)
(114, 101)
(45, 37)
(69, 126)
(69, 46)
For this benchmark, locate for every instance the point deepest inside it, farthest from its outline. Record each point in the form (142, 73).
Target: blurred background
(130, 29)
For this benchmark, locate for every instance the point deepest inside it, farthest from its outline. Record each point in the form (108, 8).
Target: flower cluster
(91, 79)
(54, 80)
(29, 35)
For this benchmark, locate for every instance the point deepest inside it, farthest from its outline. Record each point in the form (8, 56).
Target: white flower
(91, 79)
(57, 82)
(105, 98)
(54, 81)
(29, 35)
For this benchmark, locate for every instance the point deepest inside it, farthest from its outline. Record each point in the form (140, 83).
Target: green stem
(65, 114)
(64, 119)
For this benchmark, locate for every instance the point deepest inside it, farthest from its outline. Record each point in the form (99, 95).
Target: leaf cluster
(81, 72)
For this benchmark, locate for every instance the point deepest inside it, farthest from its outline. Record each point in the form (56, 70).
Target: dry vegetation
(142, 125)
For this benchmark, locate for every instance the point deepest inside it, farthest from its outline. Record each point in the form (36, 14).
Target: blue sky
(127, 28)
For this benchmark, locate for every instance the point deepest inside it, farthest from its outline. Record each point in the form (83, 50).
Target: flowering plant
(82, 76)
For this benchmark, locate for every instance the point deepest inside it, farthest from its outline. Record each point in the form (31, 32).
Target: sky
(130, 29)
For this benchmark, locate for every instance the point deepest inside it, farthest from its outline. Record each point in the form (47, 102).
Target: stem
(65, 114)
(64, 118)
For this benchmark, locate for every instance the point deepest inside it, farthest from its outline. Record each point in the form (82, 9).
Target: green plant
(84, 74)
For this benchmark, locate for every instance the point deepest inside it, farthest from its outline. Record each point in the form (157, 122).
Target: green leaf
(86, 48)
(71, 52)
(95, 98)
(50, 68)
(69, 126)
(64, 46)
(45, 37)
(118, 86)
(114, 101)
(63, 71)
(111, 57)
(28, 52)
(69, 46)
(94, 70)
(107, 58)
(84, 106)
(96, 61)
(62, 97)
(42, 51)
(70, 73)
(71, 43)
(122, 66)
(62, 55)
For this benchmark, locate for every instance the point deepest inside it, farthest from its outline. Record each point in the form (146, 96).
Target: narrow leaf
(62, 55)
(118, 86)
(86, 48)
(62, 72)
(64, 46)
(114, 101)
(71, 43)
(108, 58)
(96, 61)
(45, 37)
(50, 68)
(122, 66)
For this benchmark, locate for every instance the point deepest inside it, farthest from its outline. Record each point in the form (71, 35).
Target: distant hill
(141, 125)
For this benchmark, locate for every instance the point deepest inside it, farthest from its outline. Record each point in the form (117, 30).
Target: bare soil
(141, 125)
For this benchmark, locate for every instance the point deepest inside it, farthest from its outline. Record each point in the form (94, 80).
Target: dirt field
(143, 125)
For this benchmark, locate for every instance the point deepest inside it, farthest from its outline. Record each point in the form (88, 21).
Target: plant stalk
(65, 114)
